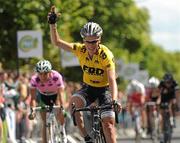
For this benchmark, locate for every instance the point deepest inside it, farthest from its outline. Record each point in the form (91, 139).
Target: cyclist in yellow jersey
(97, 63)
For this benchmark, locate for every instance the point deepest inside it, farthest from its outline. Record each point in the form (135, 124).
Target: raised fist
(53, 16)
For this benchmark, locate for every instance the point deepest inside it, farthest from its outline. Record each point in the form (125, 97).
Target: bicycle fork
(96, 126)
(154, 125)
(137, 122)
(50, 126)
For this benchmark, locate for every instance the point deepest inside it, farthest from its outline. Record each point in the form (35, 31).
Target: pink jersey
(49, 87)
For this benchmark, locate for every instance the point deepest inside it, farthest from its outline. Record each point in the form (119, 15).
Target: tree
(126, 31)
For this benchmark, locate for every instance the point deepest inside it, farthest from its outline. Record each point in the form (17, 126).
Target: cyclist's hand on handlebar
(118, 106)
(32, 115)
(53, 16)
(1, 105)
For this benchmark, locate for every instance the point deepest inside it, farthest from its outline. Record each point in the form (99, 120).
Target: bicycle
(97, 130)
(52, 129)
(153, 120)
(136, 109)
(167, 128)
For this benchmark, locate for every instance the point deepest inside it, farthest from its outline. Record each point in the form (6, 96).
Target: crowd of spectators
(14, 106)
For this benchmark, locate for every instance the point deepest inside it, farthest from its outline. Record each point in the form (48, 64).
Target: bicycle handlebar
(150, 103)
(46, 107)
(164, 105)
(112, 105)
(93, 108)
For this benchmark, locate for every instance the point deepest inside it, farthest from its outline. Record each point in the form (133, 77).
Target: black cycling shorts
(91, 94)
(101, 95)
(47, 99)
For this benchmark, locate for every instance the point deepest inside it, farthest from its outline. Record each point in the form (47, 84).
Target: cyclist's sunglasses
(43, 73)
(91, 42)
(168, 82)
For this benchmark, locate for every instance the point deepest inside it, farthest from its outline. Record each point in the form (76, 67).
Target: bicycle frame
(167, 129)
(97, 130)
(153, 120)
(137, 119)
(52, 131)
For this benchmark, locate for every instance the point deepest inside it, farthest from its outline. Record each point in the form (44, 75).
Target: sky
(164, 22)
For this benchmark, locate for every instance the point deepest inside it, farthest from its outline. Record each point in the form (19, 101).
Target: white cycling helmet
(91, 29)
(153, 82)
(43, 66)
(135, 86)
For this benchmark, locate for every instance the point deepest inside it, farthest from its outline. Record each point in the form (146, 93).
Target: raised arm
(55, 38)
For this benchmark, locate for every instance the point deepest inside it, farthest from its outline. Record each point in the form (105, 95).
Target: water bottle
(64, 113)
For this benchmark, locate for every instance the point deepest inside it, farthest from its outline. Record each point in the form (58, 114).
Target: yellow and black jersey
(95, 69)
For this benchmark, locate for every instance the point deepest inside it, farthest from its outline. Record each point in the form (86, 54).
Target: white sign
(142, 76)
(68, 59)
(29, 44)
(128, 71)
(119, 66)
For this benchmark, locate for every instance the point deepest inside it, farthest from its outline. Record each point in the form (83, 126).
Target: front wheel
(49, 133)
(137, 136)
(100, 139)
(138, 130)
(53, 133)
(167, 129)
(154, 128)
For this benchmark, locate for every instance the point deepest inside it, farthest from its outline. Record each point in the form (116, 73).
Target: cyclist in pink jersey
(48, 84)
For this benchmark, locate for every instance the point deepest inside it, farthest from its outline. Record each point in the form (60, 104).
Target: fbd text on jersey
(93, 71)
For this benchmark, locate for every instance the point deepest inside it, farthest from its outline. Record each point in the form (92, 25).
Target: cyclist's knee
(174, 106)
(108, 121)
(78, 100)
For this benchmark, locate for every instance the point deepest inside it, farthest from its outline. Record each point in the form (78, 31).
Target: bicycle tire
(137, 133)
(100, 139)
(154, 124)
(49, 134)
(53, 134)
(56, 132)
(137, 137)
(103, 139)
(167, 128)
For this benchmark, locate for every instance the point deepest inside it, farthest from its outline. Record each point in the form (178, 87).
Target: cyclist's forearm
(113, 89)
(60, 98)
(33, 103)
(56, 40)
(33, 98)
(112, 83)
(54, 34)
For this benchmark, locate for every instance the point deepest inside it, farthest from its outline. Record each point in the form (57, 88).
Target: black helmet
(168, 77)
